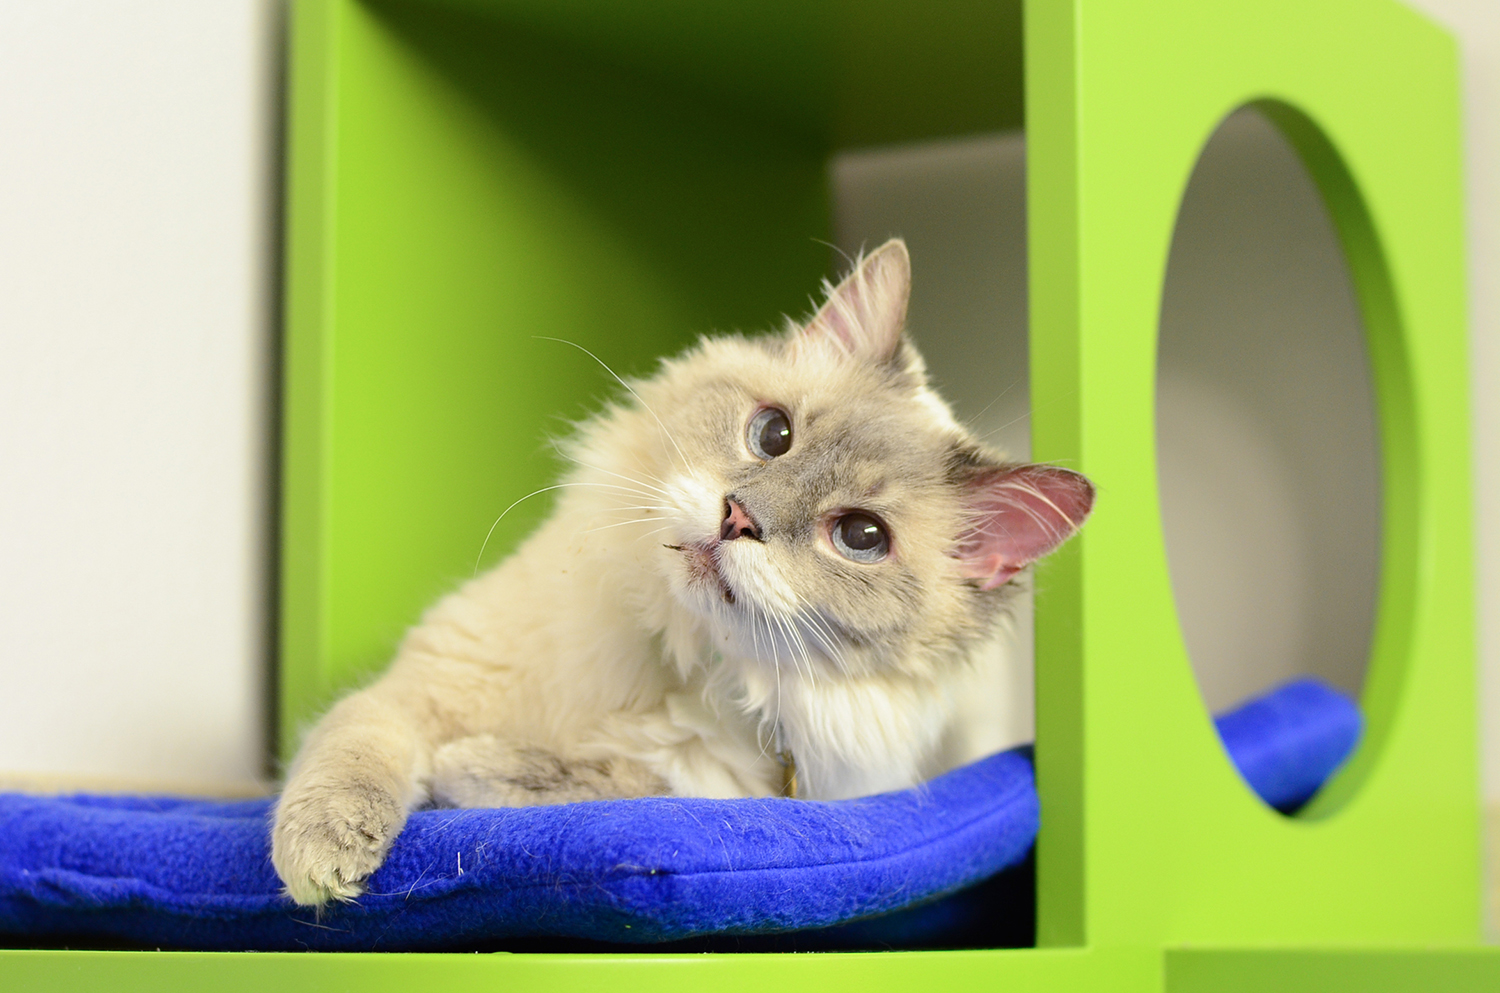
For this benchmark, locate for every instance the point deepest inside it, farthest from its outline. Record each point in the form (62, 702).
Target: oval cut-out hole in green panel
(1267, 448)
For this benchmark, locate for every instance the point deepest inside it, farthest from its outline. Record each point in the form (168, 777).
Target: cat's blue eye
(769, 433)
(860, 537)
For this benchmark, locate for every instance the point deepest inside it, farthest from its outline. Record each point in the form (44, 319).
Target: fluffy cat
(779, 549)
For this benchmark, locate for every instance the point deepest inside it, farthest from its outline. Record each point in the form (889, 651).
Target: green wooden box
(469, 177)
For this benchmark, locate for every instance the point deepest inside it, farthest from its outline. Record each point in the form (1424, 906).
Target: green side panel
(1052, 231)
(1466, 970)
(1148, 834)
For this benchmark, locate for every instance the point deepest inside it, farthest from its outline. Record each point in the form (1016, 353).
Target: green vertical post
(1171, 846)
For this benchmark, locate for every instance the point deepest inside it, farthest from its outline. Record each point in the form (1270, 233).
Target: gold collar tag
(788, 774)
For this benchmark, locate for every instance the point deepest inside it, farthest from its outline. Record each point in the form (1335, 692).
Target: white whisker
(802, 649)
(755, 618)
(490, 533)
(998, 397)
(620, 524)
(648, 534)
(796, 647)
(627, 386)
(608, 472)
(824, 634)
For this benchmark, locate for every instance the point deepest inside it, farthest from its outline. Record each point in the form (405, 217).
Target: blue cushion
(182, 873)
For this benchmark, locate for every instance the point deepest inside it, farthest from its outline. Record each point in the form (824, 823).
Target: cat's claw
(327, 841)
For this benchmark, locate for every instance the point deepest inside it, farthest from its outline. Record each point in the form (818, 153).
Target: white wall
(136, 218)
(1476, 23)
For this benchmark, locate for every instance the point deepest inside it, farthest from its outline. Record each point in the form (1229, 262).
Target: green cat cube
(468, 179)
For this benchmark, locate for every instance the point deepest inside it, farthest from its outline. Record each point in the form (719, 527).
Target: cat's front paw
(328, 839)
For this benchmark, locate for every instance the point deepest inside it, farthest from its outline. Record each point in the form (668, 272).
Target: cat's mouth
(702, 558)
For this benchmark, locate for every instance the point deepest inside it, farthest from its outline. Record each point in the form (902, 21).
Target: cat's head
(820, 505)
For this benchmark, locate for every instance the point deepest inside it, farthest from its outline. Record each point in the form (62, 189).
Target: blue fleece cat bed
(181, 873)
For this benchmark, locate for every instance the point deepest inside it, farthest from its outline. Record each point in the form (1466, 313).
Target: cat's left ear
(866, 313)
(1017, 514)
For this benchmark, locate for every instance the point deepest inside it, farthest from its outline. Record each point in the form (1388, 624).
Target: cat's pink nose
(737, 522)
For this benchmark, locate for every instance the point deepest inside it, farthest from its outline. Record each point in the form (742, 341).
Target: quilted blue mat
(181, 873)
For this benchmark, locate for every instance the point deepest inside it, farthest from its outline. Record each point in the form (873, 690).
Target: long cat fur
(627, 649)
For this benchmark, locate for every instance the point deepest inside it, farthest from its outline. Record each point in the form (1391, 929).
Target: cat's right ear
(865, 314)
(1017, 514)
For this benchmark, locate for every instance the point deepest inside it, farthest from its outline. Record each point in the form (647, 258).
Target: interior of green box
(621, 181)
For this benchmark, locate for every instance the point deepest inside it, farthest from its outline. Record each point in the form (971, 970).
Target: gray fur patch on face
(866, 437)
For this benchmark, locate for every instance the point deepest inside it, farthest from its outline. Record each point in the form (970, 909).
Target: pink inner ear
(1020, 513)
(866, 312)
(838, 321)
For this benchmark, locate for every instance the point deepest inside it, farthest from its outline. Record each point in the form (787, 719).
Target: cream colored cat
(781, 548)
